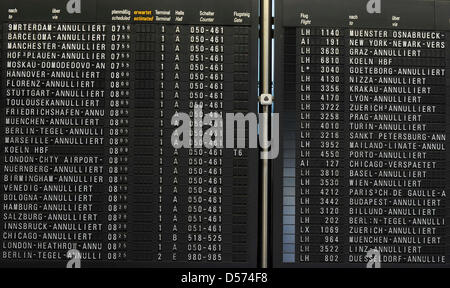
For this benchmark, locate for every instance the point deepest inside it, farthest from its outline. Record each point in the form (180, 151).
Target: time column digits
(118, 141)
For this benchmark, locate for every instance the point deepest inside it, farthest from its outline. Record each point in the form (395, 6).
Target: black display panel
(361, 88)
(88, 91)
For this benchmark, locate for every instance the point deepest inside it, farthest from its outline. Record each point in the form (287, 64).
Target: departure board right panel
(361, 88)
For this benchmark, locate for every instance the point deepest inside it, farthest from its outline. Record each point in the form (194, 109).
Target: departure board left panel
(89, 90)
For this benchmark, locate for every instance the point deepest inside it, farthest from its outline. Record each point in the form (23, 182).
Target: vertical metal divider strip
(266, 90)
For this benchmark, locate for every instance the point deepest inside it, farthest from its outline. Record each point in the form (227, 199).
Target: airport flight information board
(88, 91)
(361, 88)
